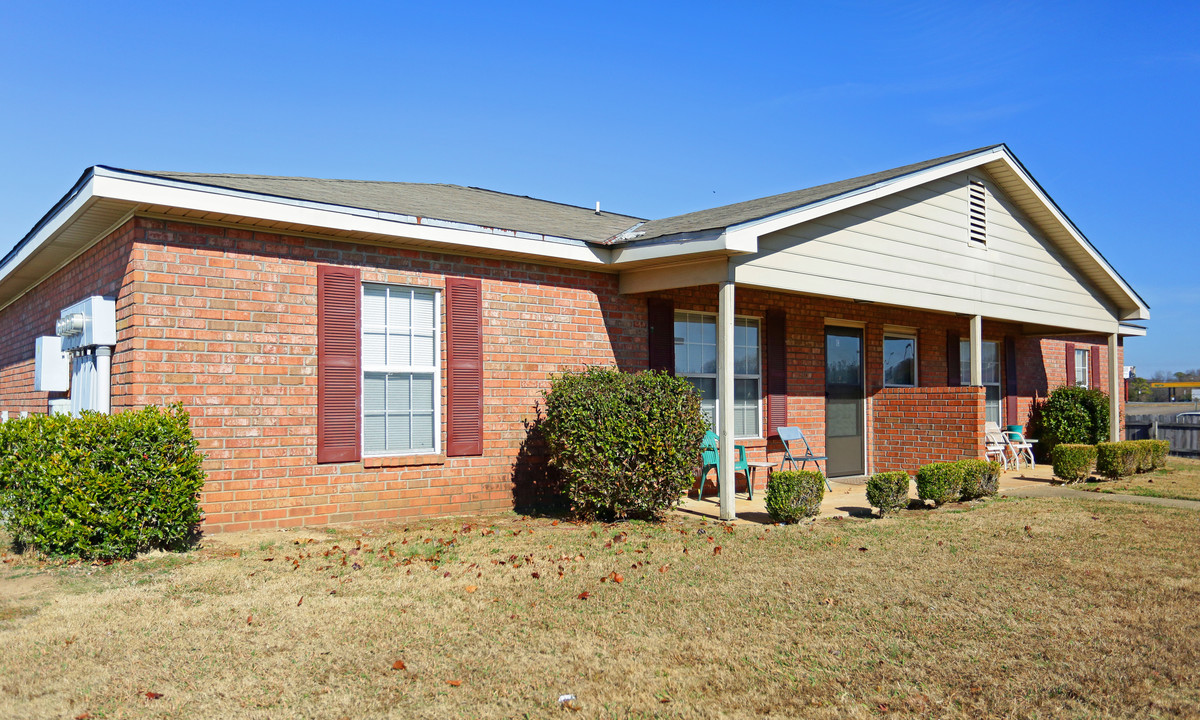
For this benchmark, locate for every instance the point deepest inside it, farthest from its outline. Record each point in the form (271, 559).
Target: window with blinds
(401, 374)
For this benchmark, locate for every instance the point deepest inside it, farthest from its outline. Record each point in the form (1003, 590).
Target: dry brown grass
(1016, 608)
(1180, 479)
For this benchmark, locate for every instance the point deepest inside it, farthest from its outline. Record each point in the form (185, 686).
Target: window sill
(404, 460)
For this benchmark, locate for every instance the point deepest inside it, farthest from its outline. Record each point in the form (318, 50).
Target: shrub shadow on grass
(858, 511)
(537, 490)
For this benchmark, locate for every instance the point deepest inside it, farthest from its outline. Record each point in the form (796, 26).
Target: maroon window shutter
(777, 398)
(1094, 375)
(660, 328)
(953, 368)
(339, 371)
(1070, 363)
(1010, 378)
(464, 372)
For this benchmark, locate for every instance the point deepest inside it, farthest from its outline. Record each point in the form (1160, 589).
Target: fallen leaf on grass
(471, 588)
(717, 550)
(862, 549)
(454, 683)
(151, 695)
(399, 665)
(535, 575)
(663, 569)
(249, 619)
(301, 602)
(84, 716)
(584, 595)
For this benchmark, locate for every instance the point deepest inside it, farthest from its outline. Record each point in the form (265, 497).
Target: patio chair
(995, 447)
(788, 435)
(1020, 448)
(710, 460)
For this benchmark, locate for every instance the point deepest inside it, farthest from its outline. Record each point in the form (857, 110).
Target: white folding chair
(1020, 448)
(994, 444)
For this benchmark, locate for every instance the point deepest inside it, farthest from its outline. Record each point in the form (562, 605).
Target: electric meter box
(51, 366)
(88, 323)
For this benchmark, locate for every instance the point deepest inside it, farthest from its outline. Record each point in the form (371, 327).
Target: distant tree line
(1140, 390)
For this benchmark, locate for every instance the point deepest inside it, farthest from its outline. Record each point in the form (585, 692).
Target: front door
(844, 437)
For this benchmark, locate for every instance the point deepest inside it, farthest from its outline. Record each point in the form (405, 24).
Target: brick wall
(917, 426)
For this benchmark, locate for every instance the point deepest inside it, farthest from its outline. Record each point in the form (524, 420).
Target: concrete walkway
(850, 500)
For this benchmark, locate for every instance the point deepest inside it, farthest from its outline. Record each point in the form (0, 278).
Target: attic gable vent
(977, 215)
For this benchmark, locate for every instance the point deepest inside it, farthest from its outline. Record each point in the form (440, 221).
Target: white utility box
(88, 323)
(51, 366)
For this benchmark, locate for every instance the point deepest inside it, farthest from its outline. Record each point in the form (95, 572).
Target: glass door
(844, 436)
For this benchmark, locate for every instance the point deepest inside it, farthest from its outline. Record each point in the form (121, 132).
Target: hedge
(1122, 459)
(101, 486)
(980, 478)
(1073, 462)
(888, 491)
(625, 444)
(795, 494)
(940, 482)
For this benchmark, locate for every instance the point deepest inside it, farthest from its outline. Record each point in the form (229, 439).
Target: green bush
(940, 482)
(1073, 462)
(100, 486)
(793, 495)
(1071, 414)
(980, 478)
(1159, 449)
(1117, 460)
(1143, 454)
(625, 444)
(888, 491)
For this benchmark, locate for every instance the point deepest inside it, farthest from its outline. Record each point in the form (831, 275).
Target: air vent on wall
(977, 216)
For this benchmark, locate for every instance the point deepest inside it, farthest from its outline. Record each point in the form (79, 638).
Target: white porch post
(1114, 387)
(976, 350)
(725, 447)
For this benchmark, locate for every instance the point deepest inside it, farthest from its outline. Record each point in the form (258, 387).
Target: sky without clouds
(652, 109)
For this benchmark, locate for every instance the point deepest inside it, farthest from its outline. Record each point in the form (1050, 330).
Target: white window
(899, 361)
(696, 360)
(1082, 367)
(401, 374)
(990, 356)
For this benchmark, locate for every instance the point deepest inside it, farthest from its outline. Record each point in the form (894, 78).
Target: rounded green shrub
(888, 491)
(793, 495)
(625, 444)
(980, 478)
(1073, 462)
(1159, 450)
(1071, 414)
(101, 486)
(1117, 460)
(939, 482)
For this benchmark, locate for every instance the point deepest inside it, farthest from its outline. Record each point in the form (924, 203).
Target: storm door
(844, 436)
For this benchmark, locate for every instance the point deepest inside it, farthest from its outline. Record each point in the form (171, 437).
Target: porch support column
(725, 448)
(976, 350)
(1114, 385)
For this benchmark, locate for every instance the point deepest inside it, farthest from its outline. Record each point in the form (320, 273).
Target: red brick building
(355, 351)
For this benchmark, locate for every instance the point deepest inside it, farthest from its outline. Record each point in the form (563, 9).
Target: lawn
(1012, 608)
(1180, 479)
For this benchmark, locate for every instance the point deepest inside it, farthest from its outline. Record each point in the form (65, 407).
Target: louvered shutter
(953, 362)
(1010, 378)
(339, 373)
(777, 398)
(660, 324)
(464, 371)
(1094, 375)
(1070, 363)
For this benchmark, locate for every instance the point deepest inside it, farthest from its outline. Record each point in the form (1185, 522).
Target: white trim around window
(401, 370)
(696, 360)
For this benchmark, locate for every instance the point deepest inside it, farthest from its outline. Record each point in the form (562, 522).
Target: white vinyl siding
(908, 249)
(401, 374)
(696, 360)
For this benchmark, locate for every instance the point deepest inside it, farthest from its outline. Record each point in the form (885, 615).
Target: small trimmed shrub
(793, 495)
(1071, 414)
(1073, 462)
(1117, 460)
(100, 486)
(1144, 455)
(888, 491)
(939, 482)
(626, 444)
(1159, 450)
(980, 478)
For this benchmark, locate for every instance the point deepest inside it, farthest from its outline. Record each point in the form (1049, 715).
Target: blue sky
(651, 109)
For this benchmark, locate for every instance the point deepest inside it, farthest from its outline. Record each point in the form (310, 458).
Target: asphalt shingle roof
(451, 203)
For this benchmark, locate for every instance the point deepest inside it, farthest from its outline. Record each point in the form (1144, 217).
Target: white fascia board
(674, 246)
(83, 197)
(1131, 330)
(146, 190)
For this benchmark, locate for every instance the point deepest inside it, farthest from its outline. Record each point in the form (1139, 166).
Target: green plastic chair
(709, 460)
